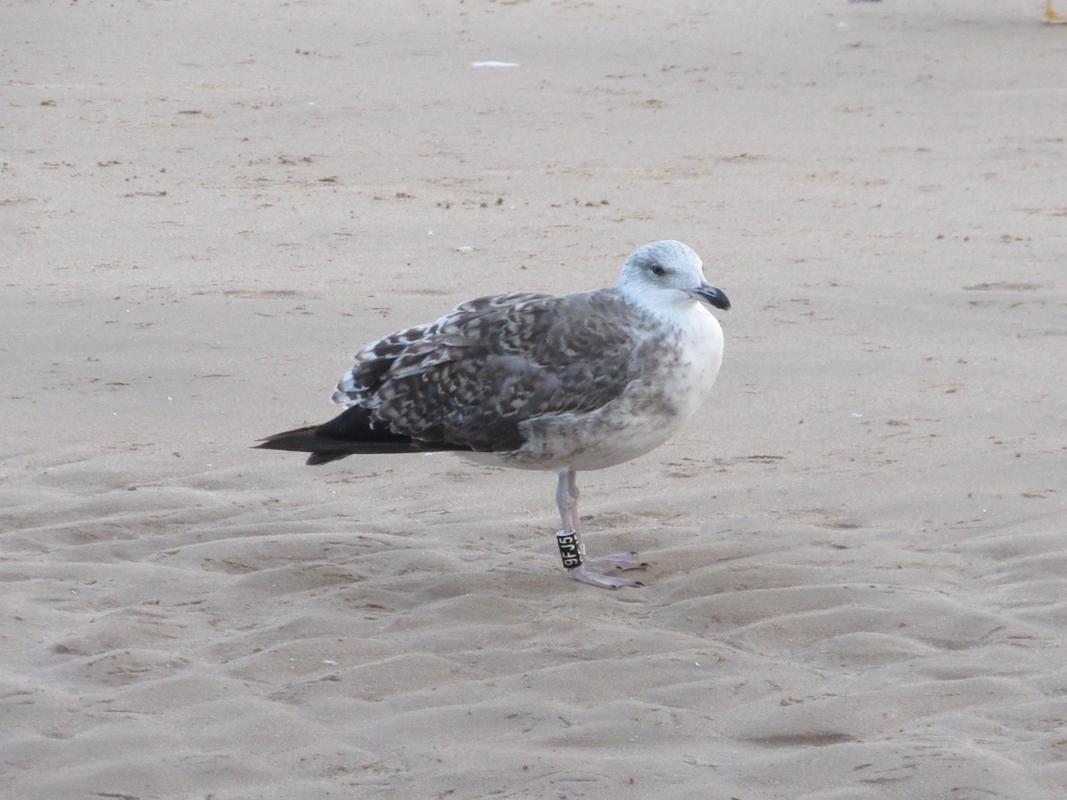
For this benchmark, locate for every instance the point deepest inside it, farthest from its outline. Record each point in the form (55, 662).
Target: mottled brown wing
(359, 385)
(473, 376)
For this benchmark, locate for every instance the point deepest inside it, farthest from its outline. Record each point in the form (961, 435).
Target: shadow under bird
(533, 381)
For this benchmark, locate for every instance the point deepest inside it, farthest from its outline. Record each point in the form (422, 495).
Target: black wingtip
(315, 459)
(350, 433)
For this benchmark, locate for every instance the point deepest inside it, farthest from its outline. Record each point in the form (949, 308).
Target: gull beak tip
(712, 296)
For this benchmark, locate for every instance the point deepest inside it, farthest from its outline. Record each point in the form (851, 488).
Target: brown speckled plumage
(473, 377)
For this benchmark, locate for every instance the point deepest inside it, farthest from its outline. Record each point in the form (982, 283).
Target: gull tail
(350, 433)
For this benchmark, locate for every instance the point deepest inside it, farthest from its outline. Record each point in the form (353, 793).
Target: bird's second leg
(602, 572)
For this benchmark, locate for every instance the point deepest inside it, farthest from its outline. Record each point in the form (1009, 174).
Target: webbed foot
(606, 572)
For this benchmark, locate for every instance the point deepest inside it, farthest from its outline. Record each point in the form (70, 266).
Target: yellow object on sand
(1052, 16)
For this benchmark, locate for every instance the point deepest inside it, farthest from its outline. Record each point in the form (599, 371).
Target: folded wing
(468, 380)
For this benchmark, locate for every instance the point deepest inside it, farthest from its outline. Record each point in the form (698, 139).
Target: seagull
(541, 382)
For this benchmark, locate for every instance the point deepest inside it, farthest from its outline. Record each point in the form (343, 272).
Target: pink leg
(603, 572)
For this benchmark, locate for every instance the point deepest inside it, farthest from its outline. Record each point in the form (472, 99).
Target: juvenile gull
(534, 381)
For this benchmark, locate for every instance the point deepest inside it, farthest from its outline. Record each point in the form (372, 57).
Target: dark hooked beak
(709, 294)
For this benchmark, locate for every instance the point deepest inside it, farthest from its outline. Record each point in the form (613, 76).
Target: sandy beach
(858, 548)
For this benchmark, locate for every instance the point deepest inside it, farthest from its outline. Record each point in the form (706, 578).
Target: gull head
(667, 274)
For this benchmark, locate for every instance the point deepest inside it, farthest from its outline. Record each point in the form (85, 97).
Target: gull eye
(657, 270)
